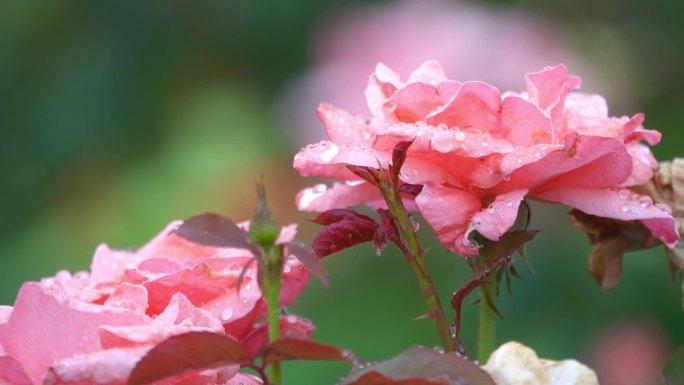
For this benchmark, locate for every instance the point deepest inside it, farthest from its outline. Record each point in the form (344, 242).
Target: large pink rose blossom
(92, 328)
(478, 153)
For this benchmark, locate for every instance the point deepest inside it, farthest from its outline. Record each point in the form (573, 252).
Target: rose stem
(272, 283)
(414, 255)
(486, 339)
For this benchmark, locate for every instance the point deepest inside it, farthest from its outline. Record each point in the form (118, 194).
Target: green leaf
(674, 370)
(180, 353)
(419, 365)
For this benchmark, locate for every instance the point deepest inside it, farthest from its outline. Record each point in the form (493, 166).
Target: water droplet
(330, 152)
(491, 209)
(645, 201)
(459, 136)
(624, 193)
(484, 144)
(506, 177)
(311, 195)
(537, 154)
(627, 208)
(226, 313)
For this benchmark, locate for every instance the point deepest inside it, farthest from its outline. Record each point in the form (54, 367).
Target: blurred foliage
(119, 116)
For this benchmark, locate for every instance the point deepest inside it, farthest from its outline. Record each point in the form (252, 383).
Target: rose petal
(343, 127)
(493, 221)
(548, 87)
(322, 198)
(619, 204)
(430, 72)
(448, 211)
(104, 367)
(523, 123)
(475, 105)
(415, 101)
(60, 328)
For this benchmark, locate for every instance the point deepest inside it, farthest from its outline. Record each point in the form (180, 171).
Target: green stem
(486, 339)
(415, 257)
(272, 283)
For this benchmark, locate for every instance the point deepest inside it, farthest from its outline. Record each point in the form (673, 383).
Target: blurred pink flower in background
(478, 153)
(494, 45)
(94, 327)
(629, 352)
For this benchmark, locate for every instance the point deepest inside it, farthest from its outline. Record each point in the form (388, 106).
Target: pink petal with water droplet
(318, 159)
(448, 211)
(496, 219)
(180, 316)
(343, 127)
(583, 161)
(127, 296)
(644, 164)
(618, 204)
(322, 198)
(43, 329)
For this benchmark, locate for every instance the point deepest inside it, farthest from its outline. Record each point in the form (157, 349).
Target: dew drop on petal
(459, 136)
(311, 195)
(491, 209)
(330, 152)
(645, 201)
(366, 135)
(624, 193)
(226, 313)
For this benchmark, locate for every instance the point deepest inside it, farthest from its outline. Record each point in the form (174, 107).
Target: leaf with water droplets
(419, 365)
(344, 228)
(180, 353)
(210, 229)
(292, 349)
(309, 259)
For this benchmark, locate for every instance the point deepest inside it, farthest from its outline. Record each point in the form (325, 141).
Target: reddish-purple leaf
(386, 232)
(307, 257)
(398, 158)
(180, 353)
(345, 228)
(293, 349)
(494, 255)
(210, 229)
(375, 378)
(369, 174)
(336, 215)
(410, 189)
(419, 365)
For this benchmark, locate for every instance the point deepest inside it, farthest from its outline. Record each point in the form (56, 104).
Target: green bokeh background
(119, 116)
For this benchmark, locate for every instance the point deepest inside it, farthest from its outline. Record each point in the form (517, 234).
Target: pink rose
(478, 153)
(92, 328)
